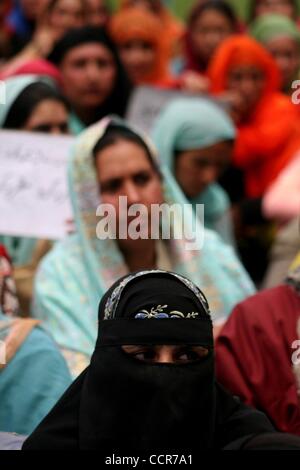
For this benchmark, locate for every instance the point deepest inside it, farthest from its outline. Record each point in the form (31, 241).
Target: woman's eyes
(114, 185)
(147, 355)
(141, 178)
(180, 356)
(189, 356)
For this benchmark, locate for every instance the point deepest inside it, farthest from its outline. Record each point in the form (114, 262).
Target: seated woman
(32, 104)
(97, 12)
(281, 37)
(209, 23)
(142, 45)
(93, 78)
(111, 161)
(33, 374)
(172, 27)
(56, 18)
(155, 342)
(289, 8)
(195, 141)
(268, 123)
(257, 352)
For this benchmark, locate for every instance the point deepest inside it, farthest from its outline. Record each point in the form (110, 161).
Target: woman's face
(249, 82)
(96, 12)
(123, 169)
(49, 116)
(33, 9)
(282, 7)
(138, 58)
(207, 33)
(196, 169)
(151, 5)
(89, 75)
(183, 354)
(286, 53)
(65, 15)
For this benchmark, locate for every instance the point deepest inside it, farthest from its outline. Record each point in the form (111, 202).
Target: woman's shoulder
(63, 252)
(279, 102)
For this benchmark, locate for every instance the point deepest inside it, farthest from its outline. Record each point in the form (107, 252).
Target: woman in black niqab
(122, 403)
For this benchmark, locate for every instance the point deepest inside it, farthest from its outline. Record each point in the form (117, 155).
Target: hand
(70, 226)
(44, 40)
(193, 82)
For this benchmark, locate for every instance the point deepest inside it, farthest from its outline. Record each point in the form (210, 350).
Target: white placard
(34, 198)
(145, 105)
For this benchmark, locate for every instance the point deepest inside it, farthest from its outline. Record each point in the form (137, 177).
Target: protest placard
(34, 200)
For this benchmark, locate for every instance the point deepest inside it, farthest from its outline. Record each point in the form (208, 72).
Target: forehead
(211, 17)
(86, 51)
(217, 149)
(271, 3)
(246, 69)
(50, 108)
(95, 3)
(283, 42)
(72, 4)
(121, 159)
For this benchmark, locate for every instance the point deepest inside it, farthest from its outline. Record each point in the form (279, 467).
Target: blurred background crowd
(234, 147)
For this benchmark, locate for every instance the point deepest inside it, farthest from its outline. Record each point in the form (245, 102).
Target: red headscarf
(242, 50)
(34, 67)
(254, 355)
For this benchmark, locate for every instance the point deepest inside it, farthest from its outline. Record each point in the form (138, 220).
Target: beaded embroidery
(112, 302)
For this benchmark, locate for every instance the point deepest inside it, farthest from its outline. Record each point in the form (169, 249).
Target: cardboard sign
(34, 200)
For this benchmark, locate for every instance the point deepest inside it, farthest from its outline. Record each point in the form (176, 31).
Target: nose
(132, 193)
(164, 354)
(56, 130)
(208, 176)
(248, 87)
(92, 71)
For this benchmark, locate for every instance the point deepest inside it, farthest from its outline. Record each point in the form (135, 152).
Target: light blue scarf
(32, 382)
(188, 124)
(77, 272)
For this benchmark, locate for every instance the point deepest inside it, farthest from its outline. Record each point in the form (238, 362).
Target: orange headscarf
(242, 50)
(137, 24)
(270, 138)
(173, 28)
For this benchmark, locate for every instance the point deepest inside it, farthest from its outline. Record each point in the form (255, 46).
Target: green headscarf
(190, 124)
(268, 27)
(244, 8)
